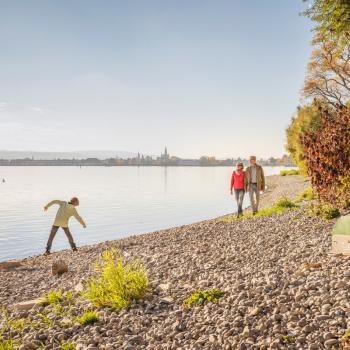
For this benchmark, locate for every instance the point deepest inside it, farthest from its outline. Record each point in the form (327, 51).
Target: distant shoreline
(134, 166)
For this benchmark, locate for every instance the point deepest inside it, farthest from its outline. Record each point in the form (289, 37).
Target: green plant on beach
(289, 172)
(8, 344)
(88, 317)
(288, 339)
(68, 346)
(307, 195)
(282, 205)
(52, 297)
(118, 283)
(324, 211)
(55, 297)
(345, 340)
(200, 297)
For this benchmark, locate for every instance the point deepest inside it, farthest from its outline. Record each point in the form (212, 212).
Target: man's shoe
(47, 252)
(75, 249)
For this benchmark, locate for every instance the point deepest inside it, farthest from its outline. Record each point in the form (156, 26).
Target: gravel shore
(283, 288)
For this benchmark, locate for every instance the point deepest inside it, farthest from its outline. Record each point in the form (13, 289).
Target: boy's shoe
(47, 252)
(75, 249)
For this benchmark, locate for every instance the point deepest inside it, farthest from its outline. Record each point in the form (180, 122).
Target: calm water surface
(114, 201)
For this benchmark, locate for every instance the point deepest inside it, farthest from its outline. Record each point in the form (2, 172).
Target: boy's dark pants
(53, 234)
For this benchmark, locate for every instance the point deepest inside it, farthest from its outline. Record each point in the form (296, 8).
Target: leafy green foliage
(324, 211)
(332, 19)
(289, 172)
(88, 317)
(288, 339)
(68, 346)
(284, 203)
(52, 297)
(8, 344)
(307, 119)
(307, 195)
(327, 155)
(345, 340)
(118, 283)
(279, 207)
(201, 297)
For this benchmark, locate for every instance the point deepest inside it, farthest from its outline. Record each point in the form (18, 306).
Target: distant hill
(65, 155)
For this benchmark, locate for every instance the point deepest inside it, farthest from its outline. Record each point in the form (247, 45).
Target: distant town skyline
(218, 78)
(106, 154)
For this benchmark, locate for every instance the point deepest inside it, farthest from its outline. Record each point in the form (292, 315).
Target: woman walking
(238, 185)
(65, 211)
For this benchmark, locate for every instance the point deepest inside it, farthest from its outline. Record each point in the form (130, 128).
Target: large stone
(341, 244)
(5, 265)
(59, 267)
(28, 305)
(78, 288)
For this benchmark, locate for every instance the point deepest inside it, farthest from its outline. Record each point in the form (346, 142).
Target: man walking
(65, 211)
(254, 183)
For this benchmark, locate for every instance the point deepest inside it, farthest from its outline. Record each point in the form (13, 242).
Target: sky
(204, 77)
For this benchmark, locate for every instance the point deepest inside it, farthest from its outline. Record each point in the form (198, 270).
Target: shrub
(279, 207)
(284, 203)
(8, 345)
(52, 297)
(287, 339)
(118, 283)
(88, 317)
(345, 340)
(324, 211)
(201, 297)
(327, 155)
(289, 172)
(307, 119)
(308, 194)
(68, 346)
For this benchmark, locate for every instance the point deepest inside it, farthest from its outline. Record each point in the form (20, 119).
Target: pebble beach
(283, 288)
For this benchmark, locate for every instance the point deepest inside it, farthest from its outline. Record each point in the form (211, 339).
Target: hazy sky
(203, 77)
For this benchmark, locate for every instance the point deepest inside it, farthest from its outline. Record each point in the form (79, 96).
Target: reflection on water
(115, 202)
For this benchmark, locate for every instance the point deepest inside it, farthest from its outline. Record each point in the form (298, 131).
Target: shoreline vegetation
(264, 282)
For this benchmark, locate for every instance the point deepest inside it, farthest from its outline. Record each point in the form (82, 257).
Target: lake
(114, 201)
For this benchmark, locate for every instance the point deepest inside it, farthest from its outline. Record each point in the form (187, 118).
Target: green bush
(279, 207)
(324, 211)
(289, 172)
(68, 346)
(307, 119)
(307, 195)
(284, 203)
(201, 297)
(8, 345)
(118, 283)
(88, 317)
(345, 340)
(52, 297)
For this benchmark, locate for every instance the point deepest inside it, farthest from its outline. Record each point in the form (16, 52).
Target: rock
(164, 287)
(254, 312)
(330, 343)
(246, 332)
(59, 267)
(78, 288)
(11, 264)
(167, 300)
(27, 305)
